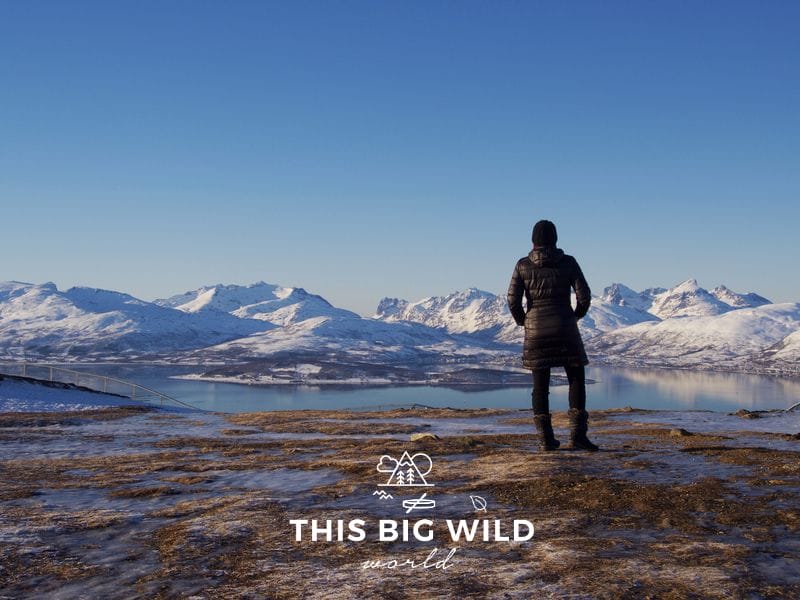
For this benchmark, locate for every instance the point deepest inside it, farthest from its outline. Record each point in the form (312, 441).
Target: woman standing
(546, 277)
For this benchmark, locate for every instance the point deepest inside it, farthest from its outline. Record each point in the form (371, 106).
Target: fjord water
(613, 388)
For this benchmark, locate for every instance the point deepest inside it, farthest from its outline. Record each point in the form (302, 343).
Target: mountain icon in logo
(409, 471)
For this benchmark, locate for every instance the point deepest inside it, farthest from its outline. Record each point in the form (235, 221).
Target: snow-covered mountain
(308, 324)
(348, 338)
(485, 314)
(682, 326)
(619, 294)
(736, 300)
(727, 340)
(685, 325)
(687, 299)
(469, 311)
(212, 323)
(41, 320)
(263, 301)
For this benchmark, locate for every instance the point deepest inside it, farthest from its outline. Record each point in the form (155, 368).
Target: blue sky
(369, 149)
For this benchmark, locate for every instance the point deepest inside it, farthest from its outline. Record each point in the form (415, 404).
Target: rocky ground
(132, 502)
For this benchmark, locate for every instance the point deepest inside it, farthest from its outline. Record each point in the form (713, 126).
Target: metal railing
(92, 381)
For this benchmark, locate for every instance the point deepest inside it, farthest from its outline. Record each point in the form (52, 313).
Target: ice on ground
(208, 514)
(699, 421)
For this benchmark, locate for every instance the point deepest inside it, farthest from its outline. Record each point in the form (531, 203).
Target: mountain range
(262, 332)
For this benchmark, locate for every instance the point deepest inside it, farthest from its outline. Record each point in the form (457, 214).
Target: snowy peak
(41, 320)
(292, 305)
(28, 302)
(474, 311)
(13, 289)
(226, 298)
(724, 340)
(689, 286)
(621, 295)
(389, 308)
(687, 299)
(99, 300)
(467, 311)
(731, 298)
(263, 301)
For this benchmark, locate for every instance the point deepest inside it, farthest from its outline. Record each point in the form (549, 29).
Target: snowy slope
(24, 396)
(725, 340)
(263, 301)
(606, 316)
(41, 320)
(784, 354)
(352, 338)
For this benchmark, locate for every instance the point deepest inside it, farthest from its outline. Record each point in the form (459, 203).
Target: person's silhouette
(546, 277)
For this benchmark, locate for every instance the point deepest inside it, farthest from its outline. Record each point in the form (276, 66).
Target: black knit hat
(544, 234)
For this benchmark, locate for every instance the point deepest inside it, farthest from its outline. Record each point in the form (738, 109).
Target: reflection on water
(653, 388)
(640, 388)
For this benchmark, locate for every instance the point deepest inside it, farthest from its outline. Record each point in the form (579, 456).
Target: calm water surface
(659, 389)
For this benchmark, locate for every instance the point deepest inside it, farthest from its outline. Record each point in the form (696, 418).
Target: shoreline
(595, 361)
(361, 383)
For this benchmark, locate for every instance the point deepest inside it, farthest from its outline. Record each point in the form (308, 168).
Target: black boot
(547, 441)
(579, 419)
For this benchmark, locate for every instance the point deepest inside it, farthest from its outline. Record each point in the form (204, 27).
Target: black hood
(546, 256)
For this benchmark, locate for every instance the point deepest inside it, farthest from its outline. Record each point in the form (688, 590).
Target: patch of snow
(23, 396)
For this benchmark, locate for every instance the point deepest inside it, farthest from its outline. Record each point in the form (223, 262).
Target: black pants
(541, 389)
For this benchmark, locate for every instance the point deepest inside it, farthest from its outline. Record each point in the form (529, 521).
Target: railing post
(24, 369)
(51, 373)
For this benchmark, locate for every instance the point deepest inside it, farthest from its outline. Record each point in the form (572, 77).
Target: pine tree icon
(405, 471)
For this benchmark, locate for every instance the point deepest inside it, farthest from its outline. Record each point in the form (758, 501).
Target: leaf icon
(478, 502)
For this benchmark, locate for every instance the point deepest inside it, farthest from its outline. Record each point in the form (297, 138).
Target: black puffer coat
(546, 276)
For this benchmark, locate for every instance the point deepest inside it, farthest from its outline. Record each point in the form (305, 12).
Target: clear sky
(370, 149)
